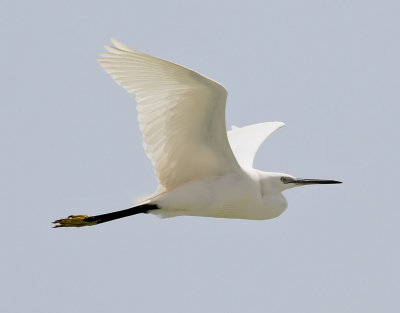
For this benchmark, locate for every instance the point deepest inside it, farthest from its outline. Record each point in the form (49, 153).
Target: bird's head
(278, 182)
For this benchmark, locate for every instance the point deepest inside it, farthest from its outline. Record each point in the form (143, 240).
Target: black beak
(301, 181)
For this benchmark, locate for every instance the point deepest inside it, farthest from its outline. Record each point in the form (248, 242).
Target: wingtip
(278, 124)
(119, 45)
(114, 41)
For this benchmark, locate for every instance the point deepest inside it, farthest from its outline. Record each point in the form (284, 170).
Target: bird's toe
(73, 221)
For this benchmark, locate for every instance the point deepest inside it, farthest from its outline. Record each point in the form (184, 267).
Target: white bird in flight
(202, 169)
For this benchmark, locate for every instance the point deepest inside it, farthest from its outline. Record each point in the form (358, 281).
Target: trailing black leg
(85, 220)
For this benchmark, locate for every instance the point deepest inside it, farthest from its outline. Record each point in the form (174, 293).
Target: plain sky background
(70, 144)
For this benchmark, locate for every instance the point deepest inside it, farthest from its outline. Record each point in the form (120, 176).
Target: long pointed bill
(301, 181)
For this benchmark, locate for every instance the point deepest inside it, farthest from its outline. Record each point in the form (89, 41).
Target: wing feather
(245, 141)
(181, 115)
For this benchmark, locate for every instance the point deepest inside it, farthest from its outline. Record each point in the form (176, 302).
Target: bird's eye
(283, 179)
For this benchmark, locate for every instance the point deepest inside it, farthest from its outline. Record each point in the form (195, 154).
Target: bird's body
(202, 169)
(234, 195)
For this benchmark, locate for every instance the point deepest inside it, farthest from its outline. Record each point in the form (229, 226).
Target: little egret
(202, 169)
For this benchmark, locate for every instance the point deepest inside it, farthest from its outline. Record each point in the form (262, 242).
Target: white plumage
(245, 141)
(200, 172)
(181, 116)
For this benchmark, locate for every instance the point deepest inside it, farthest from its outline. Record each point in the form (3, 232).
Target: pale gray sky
(70, 143)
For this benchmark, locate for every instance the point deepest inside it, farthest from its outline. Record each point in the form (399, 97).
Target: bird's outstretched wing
(245, 141)
(181, 115)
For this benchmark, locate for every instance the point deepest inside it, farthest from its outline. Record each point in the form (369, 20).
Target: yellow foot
(73, 221)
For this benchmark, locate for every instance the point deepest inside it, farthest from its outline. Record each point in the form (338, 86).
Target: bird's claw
(73, 221)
